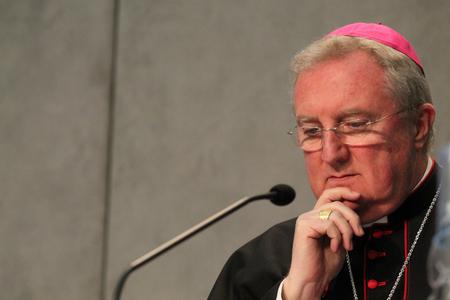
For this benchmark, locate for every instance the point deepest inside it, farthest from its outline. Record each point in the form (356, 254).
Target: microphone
(280, 194)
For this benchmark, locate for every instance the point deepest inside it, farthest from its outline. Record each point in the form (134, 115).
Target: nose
(334, 152)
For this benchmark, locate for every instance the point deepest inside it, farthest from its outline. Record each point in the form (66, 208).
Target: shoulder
(273, 247)
(255, 269)
(280, 233)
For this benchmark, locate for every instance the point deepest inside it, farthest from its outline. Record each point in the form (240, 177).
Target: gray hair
(405, 80)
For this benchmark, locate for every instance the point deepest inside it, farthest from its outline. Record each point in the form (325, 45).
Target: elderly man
(364, 122)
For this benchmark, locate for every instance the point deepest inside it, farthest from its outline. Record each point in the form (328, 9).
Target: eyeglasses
(352, 132)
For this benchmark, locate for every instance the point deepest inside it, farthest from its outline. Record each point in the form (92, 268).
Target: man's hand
(319, 245)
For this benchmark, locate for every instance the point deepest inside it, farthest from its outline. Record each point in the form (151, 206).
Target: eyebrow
(355, 112)
(340, 116)
(305, 119)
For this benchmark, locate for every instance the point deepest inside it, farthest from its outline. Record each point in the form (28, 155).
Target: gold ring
(325, 214)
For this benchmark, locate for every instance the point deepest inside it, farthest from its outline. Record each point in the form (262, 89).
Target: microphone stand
(149, 256)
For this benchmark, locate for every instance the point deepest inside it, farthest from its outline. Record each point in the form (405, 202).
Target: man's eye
(354, 125)
(311, 131)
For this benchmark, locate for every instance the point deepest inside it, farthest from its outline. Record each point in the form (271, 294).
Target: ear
(424, 124)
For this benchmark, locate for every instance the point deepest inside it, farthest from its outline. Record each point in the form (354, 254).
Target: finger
(344, 228)
(317, 229)
(348, 214)
(336, 194)
(324, 229)
(334, 235)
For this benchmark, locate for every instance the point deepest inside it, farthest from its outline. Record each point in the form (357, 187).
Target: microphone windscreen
(284, 194)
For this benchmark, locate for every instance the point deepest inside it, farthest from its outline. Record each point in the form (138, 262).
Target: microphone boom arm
(149, 256)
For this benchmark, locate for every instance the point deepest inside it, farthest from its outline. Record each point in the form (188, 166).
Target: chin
(353, 205)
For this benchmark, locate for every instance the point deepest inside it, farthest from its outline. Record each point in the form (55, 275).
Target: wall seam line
(109, 159)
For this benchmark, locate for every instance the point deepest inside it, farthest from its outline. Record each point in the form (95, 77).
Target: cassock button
(373, 284)
(380, 233)
(372, 254)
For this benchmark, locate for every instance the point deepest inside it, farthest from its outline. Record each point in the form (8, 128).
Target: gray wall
(106, 154)
(54, 74)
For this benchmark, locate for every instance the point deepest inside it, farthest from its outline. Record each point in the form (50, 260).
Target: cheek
(378, 179)
(377, 168)
(316, 175)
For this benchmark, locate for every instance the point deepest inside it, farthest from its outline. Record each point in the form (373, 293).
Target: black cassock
(255, 270)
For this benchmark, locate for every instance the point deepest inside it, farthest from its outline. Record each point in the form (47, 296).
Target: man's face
(385, 173)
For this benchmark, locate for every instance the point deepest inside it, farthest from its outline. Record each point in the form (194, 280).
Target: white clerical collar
(384, 219)
(425, 175)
